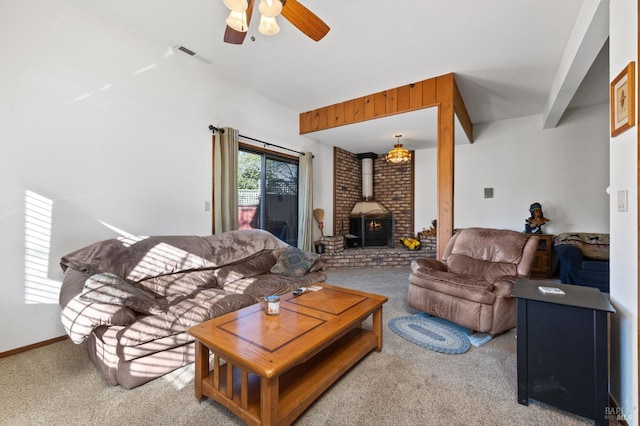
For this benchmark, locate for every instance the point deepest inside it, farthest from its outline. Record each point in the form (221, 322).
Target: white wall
(566, 169)
(102, 131)
(624, 225)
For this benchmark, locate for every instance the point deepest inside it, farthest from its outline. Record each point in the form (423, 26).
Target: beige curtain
(225, 180)
(305, 202)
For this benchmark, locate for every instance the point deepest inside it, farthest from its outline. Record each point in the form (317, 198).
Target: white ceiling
(505, 55)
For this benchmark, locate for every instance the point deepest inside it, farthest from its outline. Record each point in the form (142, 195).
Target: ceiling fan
(301, 17)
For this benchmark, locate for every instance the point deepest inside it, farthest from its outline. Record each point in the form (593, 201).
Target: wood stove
(373, 230)
(370, 223)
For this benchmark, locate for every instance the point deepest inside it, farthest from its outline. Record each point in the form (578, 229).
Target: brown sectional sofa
(129, 302)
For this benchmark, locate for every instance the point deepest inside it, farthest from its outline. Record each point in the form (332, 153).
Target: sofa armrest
(528, 255)
(503, 285)
(422, 265)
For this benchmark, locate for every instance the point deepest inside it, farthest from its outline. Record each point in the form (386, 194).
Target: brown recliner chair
(472, 284)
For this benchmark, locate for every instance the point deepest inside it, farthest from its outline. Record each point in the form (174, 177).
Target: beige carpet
(402, 385)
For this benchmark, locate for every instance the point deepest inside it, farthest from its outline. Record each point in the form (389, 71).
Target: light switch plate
(623, 197)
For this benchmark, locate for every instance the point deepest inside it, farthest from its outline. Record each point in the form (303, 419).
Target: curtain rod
(217, 129)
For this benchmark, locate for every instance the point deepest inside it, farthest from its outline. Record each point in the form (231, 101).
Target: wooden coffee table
(276, 366)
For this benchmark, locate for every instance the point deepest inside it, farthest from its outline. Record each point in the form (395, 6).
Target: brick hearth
(337, 256)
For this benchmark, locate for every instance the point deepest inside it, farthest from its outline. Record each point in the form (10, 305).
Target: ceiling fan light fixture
(237, 21)
(236, 5)
(270, 8)
(398, 154)
(268, 26)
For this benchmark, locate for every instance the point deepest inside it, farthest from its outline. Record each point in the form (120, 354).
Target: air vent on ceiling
(192, 53)
(187, 51)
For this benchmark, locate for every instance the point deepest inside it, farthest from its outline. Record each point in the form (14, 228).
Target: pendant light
(236, 5)
(398, 154)
(270, 8)
(268, 26)
(238, 17)
(238, 21)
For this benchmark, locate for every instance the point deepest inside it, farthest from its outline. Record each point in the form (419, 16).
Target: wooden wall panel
(331, 115)
(415, 95)
(380, 104)
(445, 160)
(339, 115)
(392, 101)
(369, 107)
(323, 118)
(349, 111)
(358, 109)
(404, 98)
(315, 120)
(305, 122)
(461, 112)
(429, 92)
(410, 97)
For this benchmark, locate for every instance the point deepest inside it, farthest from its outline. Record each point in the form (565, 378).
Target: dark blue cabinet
(562, 348)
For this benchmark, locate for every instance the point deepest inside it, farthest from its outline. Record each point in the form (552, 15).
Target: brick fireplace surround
(337, 256)
(393, 188)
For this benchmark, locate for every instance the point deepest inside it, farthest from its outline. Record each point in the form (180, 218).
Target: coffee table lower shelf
(297, 388)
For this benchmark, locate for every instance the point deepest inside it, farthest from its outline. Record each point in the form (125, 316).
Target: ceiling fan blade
(237, 37)
(305, 20)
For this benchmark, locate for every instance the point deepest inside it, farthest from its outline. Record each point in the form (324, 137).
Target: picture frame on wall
(623, 100)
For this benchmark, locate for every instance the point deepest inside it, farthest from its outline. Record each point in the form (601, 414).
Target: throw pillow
(113, 290)
(294, 262)
(318, 266)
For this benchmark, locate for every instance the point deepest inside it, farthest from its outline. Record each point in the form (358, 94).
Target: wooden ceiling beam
(441, 92)
(410, 97)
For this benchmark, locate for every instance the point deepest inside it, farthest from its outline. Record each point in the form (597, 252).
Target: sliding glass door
(268, 193)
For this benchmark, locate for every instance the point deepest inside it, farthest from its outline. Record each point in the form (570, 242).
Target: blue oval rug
(432, 333)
